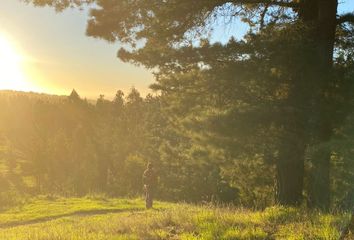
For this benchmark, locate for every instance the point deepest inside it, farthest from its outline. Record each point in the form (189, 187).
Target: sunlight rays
(12, 75)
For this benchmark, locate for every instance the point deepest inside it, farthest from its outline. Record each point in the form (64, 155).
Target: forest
(262, 120)
(68, 146)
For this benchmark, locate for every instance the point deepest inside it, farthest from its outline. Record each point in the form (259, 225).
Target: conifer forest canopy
(268, 115)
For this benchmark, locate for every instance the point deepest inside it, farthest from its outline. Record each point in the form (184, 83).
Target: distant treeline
(68, 146)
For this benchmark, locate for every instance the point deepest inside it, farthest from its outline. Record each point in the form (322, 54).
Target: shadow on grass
(76, 213)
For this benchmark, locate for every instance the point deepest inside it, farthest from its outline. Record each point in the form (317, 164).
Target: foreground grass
(118, 219)
(47, 208)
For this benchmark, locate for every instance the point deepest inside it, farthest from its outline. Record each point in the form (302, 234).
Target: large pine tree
(162, 35)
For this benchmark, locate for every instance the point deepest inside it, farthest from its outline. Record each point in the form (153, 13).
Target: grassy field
(118, 219)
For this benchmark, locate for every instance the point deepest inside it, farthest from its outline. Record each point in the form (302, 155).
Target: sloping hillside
(117, 219)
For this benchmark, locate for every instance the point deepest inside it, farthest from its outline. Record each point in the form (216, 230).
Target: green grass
(118, 219)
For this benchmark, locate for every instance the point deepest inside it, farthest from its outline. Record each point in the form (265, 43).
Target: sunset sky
(44, 51)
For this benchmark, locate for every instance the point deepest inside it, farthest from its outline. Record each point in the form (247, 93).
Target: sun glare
(12, 76)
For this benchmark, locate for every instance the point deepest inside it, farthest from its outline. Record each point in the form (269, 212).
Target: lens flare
(12, 76)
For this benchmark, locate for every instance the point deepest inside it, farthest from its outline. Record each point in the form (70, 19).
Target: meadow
(100, 218)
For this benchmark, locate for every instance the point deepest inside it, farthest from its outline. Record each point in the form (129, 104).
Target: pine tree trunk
(319, 180)
(319, 190)
(319, 15)
(290, 182)
(290, 172)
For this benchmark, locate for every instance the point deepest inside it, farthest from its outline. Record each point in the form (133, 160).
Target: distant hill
(31, 94)
(37, 96)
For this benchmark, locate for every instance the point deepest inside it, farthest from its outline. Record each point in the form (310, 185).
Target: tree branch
(348, 17)
(268, 2)
(264, 12)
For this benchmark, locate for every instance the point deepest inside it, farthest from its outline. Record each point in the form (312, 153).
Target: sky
(49, 52)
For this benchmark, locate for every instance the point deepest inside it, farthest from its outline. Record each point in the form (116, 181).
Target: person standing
(150, 182)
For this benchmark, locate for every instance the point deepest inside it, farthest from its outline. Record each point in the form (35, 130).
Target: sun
(12, 76)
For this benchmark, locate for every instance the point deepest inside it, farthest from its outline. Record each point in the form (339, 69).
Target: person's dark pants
(149, 194)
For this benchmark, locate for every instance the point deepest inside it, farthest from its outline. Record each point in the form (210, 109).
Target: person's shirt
(149, 177)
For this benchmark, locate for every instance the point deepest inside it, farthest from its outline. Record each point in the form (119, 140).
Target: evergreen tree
(300, 80)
